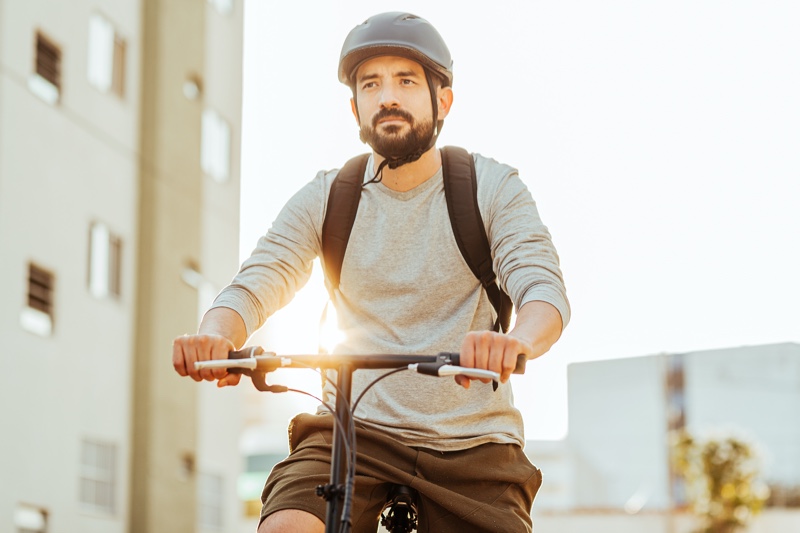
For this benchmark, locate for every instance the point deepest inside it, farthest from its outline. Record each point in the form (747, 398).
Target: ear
(354, 109)
(444, 95)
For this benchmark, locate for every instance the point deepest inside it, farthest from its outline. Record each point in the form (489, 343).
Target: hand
(491, 351)
(188, 349)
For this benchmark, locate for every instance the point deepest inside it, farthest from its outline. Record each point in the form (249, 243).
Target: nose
(388, 97)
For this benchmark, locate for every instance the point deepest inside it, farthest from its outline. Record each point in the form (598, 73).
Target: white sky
(660, 139)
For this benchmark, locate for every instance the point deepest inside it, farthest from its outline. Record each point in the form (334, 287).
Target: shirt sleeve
(282, 260)
(524, 257)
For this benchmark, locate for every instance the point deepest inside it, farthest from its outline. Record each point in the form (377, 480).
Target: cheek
(365, 107)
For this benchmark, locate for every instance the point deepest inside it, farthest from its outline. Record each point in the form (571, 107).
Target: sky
(660, 140)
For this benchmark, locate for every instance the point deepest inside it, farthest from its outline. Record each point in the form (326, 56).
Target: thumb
(229, 379)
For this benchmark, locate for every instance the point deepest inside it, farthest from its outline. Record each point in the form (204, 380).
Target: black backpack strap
(461, 193)
(340, 215)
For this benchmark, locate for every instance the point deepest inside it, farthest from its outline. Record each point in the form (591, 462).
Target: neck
(406, 177)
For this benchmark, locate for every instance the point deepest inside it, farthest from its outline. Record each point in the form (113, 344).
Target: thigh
(487, 488)
(292, 483)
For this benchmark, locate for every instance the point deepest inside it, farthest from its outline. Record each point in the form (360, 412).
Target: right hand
(188, 349)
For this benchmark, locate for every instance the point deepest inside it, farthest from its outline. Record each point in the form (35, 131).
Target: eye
(369, 85)
(406, 81)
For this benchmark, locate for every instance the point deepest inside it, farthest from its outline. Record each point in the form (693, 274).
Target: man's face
(394, 105)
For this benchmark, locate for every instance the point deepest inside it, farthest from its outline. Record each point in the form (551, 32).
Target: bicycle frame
(256, 363)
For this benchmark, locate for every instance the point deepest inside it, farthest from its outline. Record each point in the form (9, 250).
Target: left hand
(491, 351)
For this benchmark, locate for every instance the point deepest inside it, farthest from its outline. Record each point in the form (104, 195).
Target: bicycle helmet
(396, 34)
(403, 35)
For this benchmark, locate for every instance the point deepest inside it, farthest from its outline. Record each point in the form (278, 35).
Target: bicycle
(401, 508)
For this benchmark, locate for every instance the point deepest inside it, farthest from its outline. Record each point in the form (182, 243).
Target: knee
(291, 521)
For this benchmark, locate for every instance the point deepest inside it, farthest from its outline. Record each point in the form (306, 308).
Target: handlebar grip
(250, 351)
(455, 359)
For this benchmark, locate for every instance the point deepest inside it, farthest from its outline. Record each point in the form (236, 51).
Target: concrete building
(620, 413)
(119, 191)
(613, 469)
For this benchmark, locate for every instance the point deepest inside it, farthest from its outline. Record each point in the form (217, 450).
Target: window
(46, 80)
(223, 6)
(105, 258)
(209, 501)
(216, 146)
(106, 56)
(30, 519)
(98, 468)
(37, 316)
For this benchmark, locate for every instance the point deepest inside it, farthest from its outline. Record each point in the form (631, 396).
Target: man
(405, 288)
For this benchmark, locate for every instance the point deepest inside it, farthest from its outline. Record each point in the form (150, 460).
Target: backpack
(461, 194)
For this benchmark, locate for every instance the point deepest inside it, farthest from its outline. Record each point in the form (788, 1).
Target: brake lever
(246, 362)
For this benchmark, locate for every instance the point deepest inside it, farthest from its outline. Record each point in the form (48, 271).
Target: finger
(482, 349)
(220, 350)
(229, 380)
(464, 381)
(523, 348)
(497, 349)
(509, 362)
(513, 349)
(202, 346)
(467, 357)
(177, 357)
(190, 357)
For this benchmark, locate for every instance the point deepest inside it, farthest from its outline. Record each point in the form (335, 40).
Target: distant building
(119, 194)
(616, 453)
(553, 458)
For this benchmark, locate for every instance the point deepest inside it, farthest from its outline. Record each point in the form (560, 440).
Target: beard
(391, 143)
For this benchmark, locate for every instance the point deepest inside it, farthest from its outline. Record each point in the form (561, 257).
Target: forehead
(389, 64)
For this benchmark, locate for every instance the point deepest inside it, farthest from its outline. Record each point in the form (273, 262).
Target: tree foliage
(721, 475)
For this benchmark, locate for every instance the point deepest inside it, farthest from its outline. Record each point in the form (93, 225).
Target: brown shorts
(487, 488)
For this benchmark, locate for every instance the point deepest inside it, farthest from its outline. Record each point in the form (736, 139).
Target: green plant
(721, 474)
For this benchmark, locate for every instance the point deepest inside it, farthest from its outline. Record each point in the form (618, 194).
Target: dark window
(48, 60)
(40, 289)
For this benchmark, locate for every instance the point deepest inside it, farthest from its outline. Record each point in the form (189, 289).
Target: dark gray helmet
(396, 34)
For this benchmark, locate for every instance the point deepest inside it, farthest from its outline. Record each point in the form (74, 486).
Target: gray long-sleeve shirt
(405, 288)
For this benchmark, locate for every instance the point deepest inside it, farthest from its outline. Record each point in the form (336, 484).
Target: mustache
(392, 113)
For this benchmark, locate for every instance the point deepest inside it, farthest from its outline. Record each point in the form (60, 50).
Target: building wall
(189, 229)
(133, 164)
(617, 433)
(753, 391)
(618, 438)
(557, 464)
(63, 167)
(221, 416)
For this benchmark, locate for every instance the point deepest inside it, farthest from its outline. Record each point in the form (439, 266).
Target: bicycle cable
(376, 380)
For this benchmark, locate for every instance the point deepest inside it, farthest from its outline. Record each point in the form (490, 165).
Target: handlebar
(254, 361)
